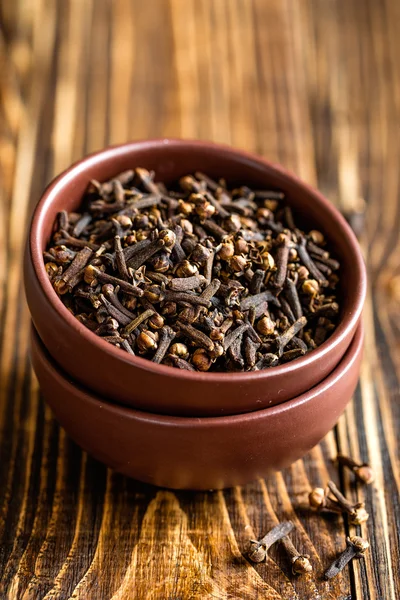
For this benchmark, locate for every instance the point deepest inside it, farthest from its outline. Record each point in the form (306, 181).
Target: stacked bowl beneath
(197, 453)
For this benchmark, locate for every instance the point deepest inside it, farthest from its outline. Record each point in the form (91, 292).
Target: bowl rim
(56, 186)
(91, 397)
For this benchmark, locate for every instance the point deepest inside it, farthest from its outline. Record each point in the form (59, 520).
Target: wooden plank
(359, 82)
(314, 85)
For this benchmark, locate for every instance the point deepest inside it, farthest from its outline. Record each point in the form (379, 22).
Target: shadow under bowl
(197, 453)
(138, 382)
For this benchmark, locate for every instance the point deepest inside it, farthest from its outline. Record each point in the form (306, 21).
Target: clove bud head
(185, 208)
(146, 340)
(217, 352)
(301, 564)
(358, 543)
(186, 269)
(169, 238)
(268, 261)
(180, 350)
(156, 321)
(200, 254)
(266, 326)
(317, 237)
(241, 246)
(124, 221)
(310, 287)
(303, 273)
(316, 497)
(201, 359)
(256, 552)
(226, 251)
(154, 294)
(365, 474)
(90, 274)
(359, 515)
(237, 263)
(51, 269)
(107, 289)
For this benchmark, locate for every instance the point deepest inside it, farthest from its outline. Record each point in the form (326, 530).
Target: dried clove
(180, 363)
(120, 259)
(355, 548)
(138, 320)
(71, 277)
(93, 273)
(320, 500)
(233, 335)
(266, 296)
(147, 252)
(308, 262)
(362, 471)
(293, 299)
(293, 330)
(282, 256)
(197, 336)
(356, 512)
(258, 549)
(183, 284)
(300, 562)
(114, 312)
(166, 336)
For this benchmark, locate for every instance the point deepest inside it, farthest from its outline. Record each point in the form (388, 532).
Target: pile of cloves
(258, 549)
(330, 500)
(196, 275)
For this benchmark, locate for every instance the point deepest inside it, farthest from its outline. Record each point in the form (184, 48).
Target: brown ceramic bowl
(197, 453)
(156, 388)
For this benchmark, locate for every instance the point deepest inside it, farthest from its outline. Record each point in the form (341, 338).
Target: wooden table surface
(313, 84)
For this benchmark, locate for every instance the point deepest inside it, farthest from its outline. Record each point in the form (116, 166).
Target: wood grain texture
(313, 84)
